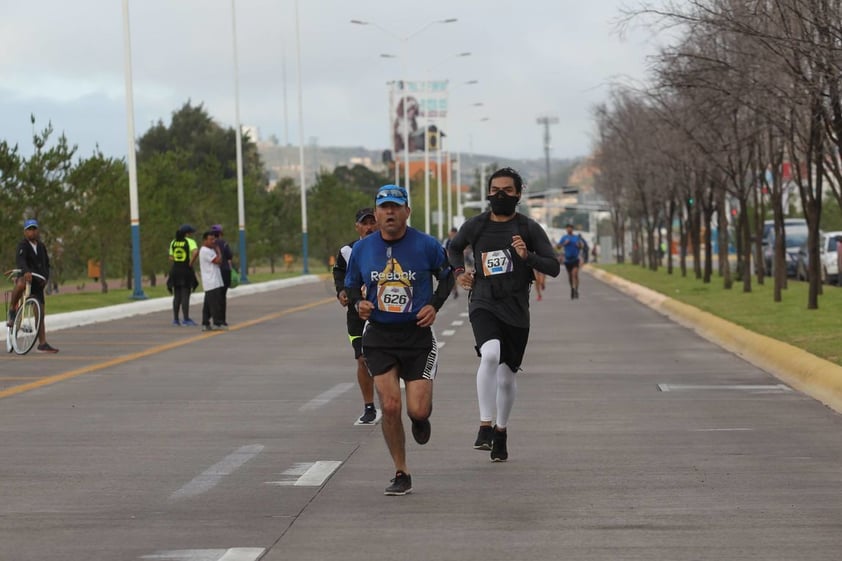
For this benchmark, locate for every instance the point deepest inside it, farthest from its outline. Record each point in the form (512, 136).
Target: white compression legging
(496, 385)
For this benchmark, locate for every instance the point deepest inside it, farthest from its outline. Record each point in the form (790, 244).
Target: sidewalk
(58, 322)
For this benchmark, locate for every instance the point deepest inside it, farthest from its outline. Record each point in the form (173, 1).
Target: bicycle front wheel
(25, 328)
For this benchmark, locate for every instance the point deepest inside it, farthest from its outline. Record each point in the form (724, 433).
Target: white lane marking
(740, 387)
(242, 554)
(326, 397)
(401, 382)
(448, 332)
(721, 430)
(233, 554)
(441, 344)
(457, 322)
(308, 474)
(214, 474)
(463, 315)
(318, 473)
(187, 555)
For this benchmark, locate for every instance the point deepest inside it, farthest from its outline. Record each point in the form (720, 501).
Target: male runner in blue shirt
(397, 265)
(572, 245)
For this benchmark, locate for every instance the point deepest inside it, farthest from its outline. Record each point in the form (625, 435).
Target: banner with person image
(426, 106)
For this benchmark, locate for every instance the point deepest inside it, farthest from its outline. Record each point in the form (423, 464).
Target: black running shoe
(421, 431)
(499, 453)
(484, 438)
(401, 485)
(369, 416)
(572, 293)
(46, 348)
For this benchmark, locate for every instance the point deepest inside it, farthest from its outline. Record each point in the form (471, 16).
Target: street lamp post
(427, 209)
(304, 241)
(241, 206)
(404, 39)
(137, 293)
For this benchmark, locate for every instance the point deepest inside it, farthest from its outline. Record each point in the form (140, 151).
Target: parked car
(829, 258)
(795, 230)
(827, 254)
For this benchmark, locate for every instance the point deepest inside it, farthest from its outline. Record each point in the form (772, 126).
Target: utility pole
(547, 120)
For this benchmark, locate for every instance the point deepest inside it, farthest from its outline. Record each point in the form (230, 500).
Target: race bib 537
(496, 262)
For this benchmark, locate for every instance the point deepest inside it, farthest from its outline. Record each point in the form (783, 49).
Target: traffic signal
(690, 201)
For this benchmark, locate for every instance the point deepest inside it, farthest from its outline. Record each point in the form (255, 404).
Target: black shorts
(512, 339)
(411, 348)
(355, 332)
(570, 265)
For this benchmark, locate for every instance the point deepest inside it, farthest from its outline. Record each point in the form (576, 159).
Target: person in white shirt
(209, 260)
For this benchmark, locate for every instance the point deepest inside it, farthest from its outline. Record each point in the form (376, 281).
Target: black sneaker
(11, 321)
(484, 438)
(401, 485)
(46, 348)
(499, 453)
(421, 431)
(368, 417)
(576, 293)
(572, 293)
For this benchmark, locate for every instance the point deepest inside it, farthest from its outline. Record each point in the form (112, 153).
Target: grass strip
(816, 331)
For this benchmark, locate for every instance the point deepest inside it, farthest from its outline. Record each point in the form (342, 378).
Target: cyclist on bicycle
(32, 259)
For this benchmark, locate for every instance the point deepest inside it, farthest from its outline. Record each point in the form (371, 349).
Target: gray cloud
(63, 61)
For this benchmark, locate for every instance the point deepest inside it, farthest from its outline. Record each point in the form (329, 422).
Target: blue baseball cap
(30, 223)
(391, 194)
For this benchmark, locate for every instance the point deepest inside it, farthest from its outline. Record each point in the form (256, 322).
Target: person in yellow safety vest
(182, 279)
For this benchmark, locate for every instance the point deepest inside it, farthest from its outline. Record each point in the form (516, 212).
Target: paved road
(632, 438)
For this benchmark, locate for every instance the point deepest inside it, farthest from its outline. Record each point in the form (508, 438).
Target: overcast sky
(63, 62)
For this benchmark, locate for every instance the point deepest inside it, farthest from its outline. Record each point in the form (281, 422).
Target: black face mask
(502, 204)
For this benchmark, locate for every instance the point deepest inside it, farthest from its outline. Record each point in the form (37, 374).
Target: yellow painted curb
(814, 376)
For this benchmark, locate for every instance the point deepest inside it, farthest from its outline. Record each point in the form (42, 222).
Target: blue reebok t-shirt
(397, 274)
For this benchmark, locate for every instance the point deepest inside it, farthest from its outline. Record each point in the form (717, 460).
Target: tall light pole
(241, 204)
(546, 121)
(427, 208)
(404, 39)
(304, 243)
(137, 293)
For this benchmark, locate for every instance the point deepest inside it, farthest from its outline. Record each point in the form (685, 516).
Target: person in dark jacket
(182, 279)
(365, 224)
(32, 259)
(507, 246)
(225, 265)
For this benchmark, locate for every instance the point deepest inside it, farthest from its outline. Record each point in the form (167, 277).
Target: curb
(58, 322)
(809, 374)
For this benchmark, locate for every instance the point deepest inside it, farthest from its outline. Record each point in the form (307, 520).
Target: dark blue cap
(30, 223)
(391, 194)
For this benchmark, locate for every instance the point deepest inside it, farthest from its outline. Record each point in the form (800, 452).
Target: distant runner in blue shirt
(572, 245)
(397, 265)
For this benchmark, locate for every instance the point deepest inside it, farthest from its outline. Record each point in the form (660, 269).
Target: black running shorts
(411, 348)
(512, 339)
(570, 265)
(355, 332)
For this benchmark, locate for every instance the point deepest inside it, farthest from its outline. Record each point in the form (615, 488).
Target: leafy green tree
(41, 192)
(331, 207)
(101, 231)
(11, 209)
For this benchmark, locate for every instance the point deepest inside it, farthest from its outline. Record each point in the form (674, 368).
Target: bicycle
(26, 316)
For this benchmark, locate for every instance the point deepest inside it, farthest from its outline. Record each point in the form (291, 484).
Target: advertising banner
(426, 107)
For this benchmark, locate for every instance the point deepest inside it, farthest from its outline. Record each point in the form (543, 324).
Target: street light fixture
(404, 39)
(427, 209)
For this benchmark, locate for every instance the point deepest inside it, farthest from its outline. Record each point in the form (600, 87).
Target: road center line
(448, 332)
(49, 380)
(325, 397)
(214, 474)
